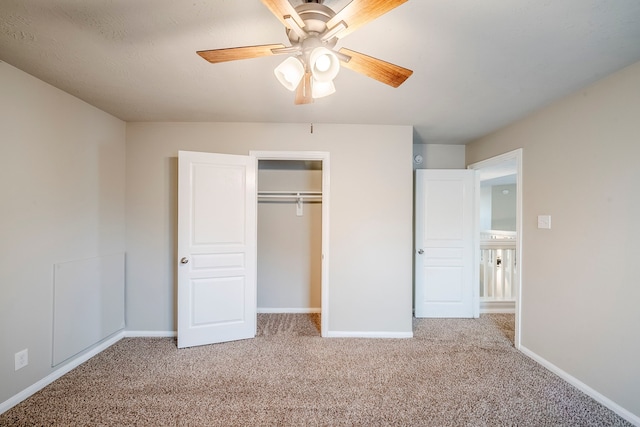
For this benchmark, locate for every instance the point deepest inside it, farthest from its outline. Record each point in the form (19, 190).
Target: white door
(216, 248)
(446, 271)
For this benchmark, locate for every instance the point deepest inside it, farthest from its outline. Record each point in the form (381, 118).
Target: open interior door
(216, 248)
(446, 266)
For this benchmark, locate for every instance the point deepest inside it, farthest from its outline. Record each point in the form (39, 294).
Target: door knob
(420, 251)
(184, 260)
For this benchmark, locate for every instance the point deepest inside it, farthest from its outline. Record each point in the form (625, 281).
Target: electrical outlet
(22, 359)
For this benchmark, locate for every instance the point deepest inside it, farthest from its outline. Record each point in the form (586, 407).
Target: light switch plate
(544, 221)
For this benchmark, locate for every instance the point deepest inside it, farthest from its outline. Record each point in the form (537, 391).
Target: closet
(290, 235)
(231, 263)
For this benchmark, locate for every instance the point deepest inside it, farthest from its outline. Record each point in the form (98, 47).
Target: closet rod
(293, 193)
(290, 194)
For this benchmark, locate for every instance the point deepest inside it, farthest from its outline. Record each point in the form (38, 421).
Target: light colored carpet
(453, 373)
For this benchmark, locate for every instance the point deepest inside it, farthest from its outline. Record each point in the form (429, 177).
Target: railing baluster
(497, 282)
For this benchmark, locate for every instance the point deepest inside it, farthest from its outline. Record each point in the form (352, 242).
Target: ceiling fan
(313, 30)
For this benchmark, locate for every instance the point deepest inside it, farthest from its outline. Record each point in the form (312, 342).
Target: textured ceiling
(478, 65)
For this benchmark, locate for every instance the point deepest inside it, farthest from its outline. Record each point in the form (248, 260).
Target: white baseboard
(150, 334)
(267, 310)
(71, 364)
(497, 307)
(365, 334)
(627, 415)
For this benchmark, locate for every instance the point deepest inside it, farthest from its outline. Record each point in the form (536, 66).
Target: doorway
(501, 176)
(293, 233)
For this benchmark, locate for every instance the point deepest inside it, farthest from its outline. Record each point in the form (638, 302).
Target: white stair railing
(498, 273)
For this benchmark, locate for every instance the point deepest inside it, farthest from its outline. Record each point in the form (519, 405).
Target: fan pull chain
(311, 127)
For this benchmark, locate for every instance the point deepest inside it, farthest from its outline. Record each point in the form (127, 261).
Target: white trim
(624, 413)
(150, 334)
(268, 310)
(59, 372)
(476, 249)
(497, 306)
(517, 155)
(323, 156)
(365, 334)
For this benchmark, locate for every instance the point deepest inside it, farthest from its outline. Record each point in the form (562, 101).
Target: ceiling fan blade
(385, 72)
(303, 93)
(235, 53)
(359, 12)
(282, 9)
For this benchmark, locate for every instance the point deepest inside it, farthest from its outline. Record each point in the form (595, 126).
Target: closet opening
(292, 232)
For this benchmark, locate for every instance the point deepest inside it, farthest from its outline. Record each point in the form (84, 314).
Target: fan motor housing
(315, 17)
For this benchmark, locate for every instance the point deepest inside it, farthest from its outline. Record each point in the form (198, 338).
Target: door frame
(495, 161)
(322, 156)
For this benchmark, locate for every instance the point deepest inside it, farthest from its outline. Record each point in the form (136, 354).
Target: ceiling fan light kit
(313, 30)
(324, 64)
(290, 72)
(321, 89)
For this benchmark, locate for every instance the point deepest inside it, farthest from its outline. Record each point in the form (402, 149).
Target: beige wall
(62, 171)
(503, 207)
(289, 246)
(439, 156)
(370, 215)
(580, 280)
